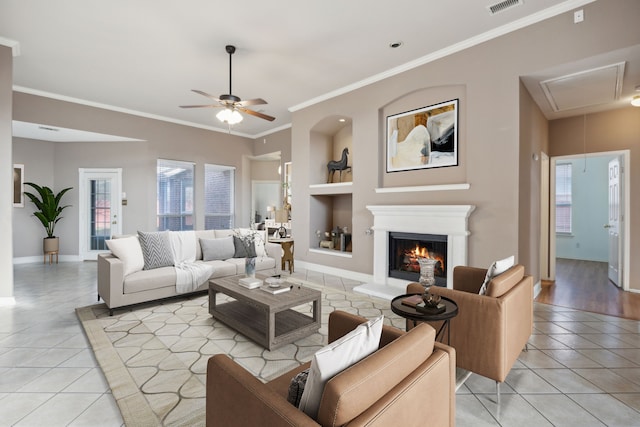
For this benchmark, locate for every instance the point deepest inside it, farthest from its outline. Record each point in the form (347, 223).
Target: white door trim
(626, 260)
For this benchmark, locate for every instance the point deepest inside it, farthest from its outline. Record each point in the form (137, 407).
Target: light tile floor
(582, 369)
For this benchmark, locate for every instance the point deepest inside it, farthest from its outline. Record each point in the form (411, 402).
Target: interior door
(100, 209)
(615, 223)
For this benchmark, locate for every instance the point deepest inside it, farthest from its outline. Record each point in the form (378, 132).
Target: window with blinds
(563, 198)
(218, 197)
(175, 195)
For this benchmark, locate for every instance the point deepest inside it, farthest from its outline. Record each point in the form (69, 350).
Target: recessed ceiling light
(395, 45)
(342, 120)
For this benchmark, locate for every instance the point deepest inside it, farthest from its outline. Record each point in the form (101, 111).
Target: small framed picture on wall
(18, 186)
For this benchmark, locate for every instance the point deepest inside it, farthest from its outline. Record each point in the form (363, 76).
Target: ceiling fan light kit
(636, 101)
(232, 105)
(229, 116)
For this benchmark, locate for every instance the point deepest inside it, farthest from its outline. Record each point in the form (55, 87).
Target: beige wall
(486, 80)
(534, 140)
(609, 131)
(57, 164)
(6, 174)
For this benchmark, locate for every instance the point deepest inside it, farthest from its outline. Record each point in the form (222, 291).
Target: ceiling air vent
(503, 5)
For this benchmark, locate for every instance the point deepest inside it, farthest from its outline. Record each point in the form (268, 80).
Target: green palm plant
(48, 204)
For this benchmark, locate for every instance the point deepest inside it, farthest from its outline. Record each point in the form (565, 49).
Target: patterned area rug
(154, 356)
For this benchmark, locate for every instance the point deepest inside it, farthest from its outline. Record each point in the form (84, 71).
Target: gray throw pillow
(244, 248)
(156, 249)
(296, 387)
(217, 249)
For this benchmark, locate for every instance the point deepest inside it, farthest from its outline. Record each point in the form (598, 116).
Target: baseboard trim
(537, 288)
(7, 301)
(37, 259)
(353, 275)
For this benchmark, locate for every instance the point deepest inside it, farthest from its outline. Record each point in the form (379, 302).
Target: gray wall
(6, 174)
(589, 187)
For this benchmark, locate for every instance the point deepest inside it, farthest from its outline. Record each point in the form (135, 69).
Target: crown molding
(450, 50)
(65, 98)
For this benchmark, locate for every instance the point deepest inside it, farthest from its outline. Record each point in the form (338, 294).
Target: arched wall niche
(414, 100)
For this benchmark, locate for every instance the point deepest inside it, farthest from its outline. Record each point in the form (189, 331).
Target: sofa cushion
(222, 268)
(259, 238)
(217, 249)
(156, 249)
(501, 284)
(494, 270)
(296, 387)
(128, 250)
(336, 357)
(244, 247)
(203, 234)
(146, 280)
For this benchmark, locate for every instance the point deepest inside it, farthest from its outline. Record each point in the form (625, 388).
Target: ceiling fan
(231, 104)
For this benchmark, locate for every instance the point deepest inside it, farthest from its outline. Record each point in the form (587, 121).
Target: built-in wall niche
(331, 141)
(330, 226)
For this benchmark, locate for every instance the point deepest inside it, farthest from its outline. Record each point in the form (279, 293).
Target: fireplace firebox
(406, 248)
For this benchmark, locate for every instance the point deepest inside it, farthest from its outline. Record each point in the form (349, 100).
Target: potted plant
(48, 212)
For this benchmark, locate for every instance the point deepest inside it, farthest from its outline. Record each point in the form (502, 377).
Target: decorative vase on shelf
(427, 276)
(250, 266)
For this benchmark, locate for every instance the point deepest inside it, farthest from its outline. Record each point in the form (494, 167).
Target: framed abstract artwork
(423, 138)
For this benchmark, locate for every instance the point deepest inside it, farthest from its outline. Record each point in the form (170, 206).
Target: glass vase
(250, 266)
(427, 276)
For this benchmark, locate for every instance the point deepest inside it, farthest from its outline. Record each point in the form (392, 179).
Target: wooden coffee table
(262, 317)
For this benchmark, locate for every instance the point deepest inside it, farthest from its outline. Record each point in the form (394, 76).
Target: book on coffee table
(276, 289)
(250, 282)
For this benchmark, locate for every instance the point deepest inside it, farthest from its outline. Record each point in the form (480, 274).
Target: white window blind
(563, 198)
(175, 195)
(219, 182)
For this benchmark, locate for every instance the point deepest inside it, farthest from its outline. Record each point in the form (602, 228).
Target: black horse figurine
(337, 165)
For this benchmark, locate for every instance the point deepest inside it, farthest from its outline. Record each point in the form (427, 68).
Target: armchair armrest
(237, 398)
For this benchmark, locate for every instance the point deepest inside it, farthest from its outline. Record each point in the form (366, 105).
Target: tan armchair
(408, 377)
(490, 330)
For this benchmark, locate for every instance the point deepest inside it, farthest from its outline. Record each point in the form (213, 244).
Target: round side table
(410, 313)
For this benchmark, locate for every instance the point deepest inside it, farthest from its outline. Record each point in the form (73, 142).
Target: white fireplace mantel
(449, 220)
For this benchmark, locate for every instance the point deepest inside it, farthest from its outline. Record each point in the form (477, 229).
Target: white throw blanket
(190, 275)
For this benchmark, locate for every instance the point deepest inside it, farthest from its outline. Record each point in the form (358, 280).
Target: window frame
(564, 183)
(186, 200)
(210, 217)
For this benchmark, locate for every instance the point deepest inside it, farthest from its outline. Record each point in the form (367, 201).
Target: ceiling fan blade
(255, 113)
(202, 106)
(257, 101)
(205, 94)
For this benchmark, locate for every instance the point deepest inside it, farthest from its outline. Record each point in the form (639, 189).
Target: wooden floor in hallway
(584, 285)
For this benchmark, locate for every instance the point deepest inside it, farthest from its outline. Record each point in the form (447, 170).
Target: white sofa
(123, 281)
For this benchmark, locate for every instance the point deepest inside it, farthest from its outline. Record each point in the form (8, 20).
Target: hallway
(584, 285)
